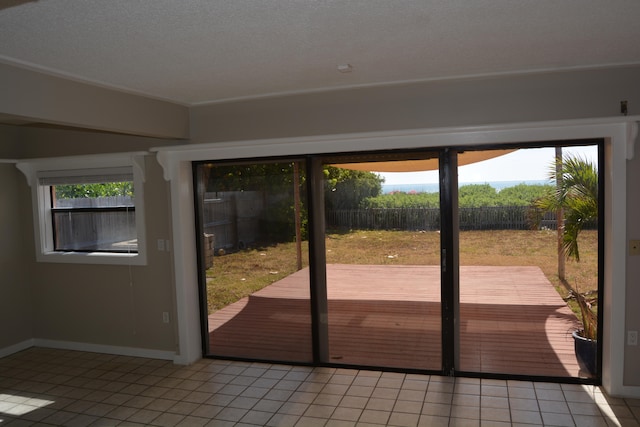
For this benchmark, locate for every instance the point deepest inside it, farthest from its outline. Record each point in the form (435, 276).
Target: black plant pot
(586, 353)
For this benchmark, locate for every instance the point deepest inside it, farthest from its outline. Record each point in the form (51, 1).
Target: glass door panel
(515, 308)
(254, 260)
(383, 262)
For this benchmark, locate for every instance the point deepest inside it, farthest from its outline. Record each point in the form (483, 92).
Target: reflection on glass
(255, 256)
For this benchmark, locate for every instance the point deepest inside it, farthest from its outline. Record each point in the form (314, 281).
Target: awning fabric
(464, 158)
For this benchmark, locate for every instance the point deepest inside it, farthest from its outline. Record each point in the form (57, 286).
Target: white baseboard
(93, 348)
(7, 351)
(626, 391)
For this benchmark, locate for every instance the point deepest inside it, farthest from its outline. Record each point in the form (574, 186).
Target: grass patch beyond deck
(237, 275)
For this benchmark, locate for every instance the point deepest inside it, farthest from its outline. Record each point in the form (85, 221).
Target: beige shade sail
(420, 165)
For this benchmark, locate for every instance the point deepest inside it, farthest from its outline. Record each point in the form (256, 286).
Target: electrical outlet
(165, 317)
(161, 245)
(632, 337)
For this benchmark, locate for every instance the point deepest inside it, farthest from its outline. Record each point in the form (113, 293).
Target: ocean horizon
(434, 187)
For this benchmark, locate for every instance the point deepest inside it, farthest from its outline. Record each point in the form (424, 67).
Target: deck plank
(511, 320)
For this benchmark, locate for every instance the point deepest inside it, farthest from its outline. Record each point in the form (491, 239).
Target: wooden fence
(232, 218)
(91, 230)
(95, 202)
(484, 218)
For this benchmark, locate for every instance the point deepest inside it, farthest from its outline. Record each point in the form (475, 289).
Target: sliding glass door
(254, 260)
(472, 262)
(383, 262)
(521, 226)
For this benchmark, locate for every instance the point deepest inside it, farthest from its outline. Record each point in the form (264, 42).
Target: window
(88, 214)
(93, 213)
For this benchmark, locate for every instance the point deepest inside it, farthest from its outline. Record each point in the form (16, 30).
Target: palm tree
(575, 194)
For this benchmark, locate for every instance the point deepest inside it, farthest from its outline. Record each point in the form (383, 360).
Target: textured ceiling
(200, 51)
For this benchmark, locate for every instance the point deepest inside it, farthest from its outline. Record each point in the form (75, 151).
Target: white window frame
(41, 201)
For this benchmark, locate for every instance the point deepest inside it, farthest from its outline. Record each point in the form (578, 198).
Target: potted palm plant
(586, 339)
(576, 196)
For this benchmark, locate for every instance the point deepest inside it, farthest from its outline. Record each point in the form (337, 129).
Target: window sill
(93, 258)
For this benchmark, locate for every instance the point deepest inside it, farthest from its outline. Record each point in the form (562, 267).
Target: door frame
(619, 132)
(450, 334)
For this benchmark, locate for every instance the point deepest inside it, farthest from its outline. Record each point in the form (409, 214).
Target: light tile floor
(43, 387)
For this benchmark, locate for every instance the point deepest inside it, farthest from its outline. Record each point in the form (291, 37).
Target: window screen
(92, 210)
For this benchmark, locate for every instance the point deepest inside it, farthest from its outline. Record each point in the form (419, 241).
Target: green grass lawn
(236, 275)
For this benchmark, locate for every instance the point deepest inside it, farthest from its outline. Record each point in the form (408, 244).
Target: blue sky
(521, 165)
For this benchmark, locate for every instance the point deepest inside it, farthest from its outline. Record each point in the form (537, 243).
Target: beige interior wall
(98, 304)
(632, 353)
(43, 98)
(16, 312)
(43, 142)
(8, 142)
(471, 102)
(112, 305)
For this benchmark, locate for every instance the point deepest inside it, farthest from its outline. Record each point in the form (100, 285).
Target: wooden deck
(511, 320)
